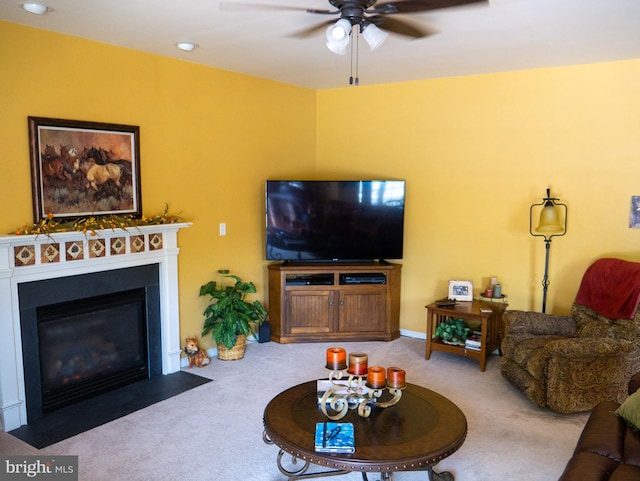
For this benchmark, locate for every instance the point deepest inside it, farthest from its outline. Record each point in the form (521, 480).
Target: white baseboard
(413, 334)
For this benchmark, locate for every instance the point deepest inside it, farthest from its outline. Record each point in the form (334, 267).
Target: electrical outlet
(223, 228)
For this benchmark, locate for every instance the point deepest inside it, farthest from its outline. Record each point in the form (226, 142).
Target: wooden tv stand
(311, 302)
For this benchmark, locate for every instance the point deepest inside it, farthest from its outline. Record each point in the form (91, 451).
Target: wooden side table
(491, 326)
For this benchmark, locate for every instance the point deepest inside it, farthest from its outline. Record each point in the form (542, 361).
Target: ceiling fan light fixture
(374, 36)
(338, 36)
(338, 48)
(36, 8)
(341, 29)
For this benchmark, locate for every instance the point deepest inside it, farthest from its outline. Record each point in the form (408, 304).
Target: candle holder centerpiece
(363, 388)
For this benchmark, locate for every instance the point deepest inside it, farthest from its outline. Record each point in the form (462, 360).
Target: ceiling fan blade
(234, 6)
(401, 27)
(413, 6)
(307, 32)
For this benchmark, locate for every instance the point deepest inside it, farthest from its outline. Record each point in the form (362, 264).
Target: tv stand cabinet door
(309, 312)
(363, 311)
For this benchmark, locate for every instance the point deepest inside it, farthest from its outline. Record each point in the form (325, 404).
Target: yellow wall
(209, 139)
(475, 151)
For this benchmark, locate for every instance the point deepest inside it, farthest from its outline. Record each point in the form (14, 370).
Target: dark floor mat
(71, 420)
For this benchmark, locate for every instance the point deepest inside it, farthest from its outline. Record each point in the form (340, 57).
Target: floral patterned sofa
(572, 363)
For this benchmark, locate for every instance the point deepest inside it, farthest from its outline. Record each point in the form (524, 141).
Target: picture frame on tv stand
(460, 290)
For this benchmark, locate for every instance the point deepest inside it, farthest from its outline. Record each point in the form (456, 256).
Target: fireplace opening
(88, 334)
(91, 346)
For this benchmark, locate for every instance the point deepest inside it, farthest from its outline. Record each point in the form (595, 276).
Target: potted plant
(230, 318)
(452, 331)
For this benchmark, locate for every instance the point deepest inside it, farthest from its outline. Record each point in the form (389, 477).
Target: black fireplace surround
(87, 334)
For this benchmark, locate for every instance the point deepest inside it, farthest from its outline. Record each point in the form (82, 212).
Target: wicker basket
(236, 352)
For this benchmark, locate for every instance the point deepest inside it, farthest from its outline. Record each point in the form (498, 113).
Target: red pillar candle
(336, 358)
(396, 377)
(376, 377)
(358, 363)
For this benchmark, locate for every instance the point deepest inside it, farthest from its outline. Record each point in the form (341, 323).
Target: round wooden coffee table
(415, 434)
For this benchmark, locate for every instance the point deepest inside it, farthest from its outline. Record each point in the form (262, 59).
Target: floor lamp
(552, 224)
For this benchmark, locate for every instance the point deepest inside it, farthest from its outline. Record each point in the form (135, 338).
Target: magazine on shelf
(474, 342)
(332, 437)
(472, 345)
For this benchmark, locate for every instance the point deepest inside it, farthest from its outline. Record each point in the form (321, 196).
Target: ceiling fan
(366, 15)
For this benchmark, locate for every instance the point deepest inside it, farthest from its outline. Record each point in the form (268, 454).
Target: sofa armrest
(600, 447)
(538, 323)
(589, 347)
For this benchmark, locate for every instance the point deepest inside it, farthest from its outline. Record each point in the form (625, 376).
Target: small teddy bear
(197, 357)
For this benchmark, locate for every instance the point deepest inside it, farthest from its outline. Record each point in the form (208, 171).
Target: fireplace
(88, 334)
(60, 283)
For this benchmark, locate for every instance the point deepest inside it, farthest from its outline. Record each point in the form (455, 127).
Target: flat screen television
(338, 221)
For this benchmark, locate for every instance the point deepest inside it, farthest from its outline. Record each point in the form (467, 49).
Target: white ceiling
(502, 35)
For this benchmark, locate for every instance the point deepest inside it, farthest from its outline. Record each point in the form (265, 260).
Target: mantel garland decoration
(89, 225)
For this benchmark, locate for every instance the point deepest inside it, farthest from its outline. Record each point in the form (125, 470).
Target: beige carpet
(214, 432)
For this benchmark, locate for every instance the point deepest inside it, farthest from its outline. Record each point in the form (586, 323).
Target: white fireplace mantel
(27, 258)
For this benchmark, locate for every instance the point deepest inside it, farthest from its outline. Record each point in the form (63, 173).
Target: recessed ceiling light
(36, 8)
(187, 46)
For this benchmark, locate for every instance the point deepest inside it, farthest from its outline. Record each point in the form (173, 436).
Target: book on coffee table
(332, 437)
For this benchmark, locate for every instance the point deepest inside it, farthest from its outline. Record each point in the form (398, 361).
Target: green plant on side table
(452, 331)
(230, 318)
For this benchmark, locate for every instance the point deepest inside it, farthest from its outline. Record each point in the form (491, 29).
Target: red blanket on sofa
(611, 287)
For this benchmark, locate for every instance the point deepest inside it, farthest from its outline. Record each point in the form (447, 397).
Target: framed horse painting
(81, 169)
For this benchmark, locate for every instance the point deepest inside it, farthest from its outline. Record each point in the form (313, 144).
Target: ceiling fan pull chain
(355, 45)
(357, 55)
(351, 65)
(351, 59)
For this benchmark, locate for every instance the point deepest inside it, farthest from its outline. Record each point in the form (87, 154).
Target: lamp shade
(549, 220)
(341, 29)
(374, 36)
(338, 36)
